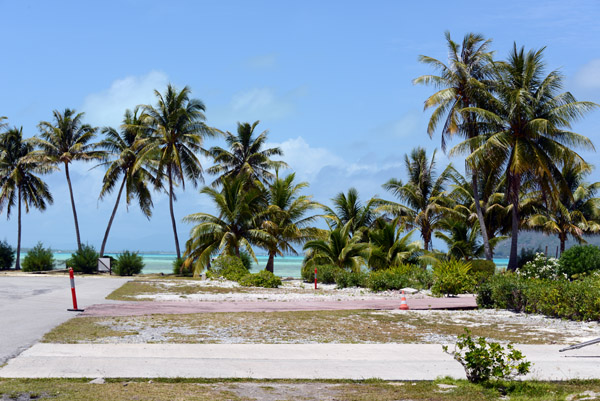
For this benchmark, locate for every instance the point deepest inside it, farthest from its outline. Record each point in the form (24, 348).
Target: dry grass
(220, 390)
(294, 327)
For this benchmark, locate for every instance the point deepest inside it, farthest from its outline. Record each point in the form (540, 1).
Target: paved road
(32, 305)
(280, 361)
(183, 307)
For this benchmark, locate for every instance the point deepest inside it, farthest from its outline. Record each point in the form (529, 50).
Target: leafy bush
(85, 260)
(483, 269)
(326, 274)
(7, 255)
(527, 255)
(418, 277)
(246, 260)
(229, 267)
(540, 267)
(264, 279)
(128, 264)
(38, 259)
(388, 279)
(484, 361)
(575, 300)
(453, 277)
(580, 259)
(345, 279)
(180, 270)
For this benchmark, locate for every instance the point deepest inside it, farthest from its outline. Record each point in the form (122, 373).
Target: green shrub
(580, 259)
(229, 267)
(38, 259)
(418, 277)
(484, 361)
(527, 255)
(264, 279)
(453, 277)
(85, 260)
(180, 270)
(483, 269)
(574, 300)
(540, 267)
(346, 279)
(326, 274)
(388, 279)
(7, 255)
(128, 264)
(246, 260)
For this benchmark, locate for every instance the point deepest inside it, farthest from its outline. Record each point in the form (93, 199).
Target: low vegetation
(7, 255)
(84, 260)
(38, 259)
(128, 263)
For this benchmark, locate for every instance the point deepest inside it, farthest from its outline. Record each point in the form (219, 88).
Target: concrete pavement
(279, 361)
(31, 305)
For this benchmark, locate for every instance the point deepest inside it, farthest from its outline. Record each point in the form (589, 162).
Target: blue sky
(331, 81)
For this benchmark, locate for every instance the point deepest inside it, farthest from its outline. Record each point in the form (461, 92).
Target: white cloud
(106, 108)
(588, 77)
(260, 103)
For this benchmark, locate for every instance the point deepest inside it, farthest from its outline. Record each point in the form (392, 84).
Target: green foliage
(264, 279)
(483, 268)
(38, 259)
(85, 260)
(246, 259)
(485, 361)
(574, 300)
(452, 277)
(180, 269)
(326, 274)
(7, 255)
(580, 260)
(399, 277)
(527, 255)
(128, 264)
(540, 267)
(345, 279)
(229, 267)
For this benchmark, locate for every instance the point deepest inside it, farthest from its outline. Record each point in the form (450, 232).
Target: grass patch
(361, 326)
(244, 389)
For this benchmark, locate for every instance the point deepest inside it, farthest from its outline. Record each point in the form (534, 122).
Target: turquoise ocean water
(288, 266)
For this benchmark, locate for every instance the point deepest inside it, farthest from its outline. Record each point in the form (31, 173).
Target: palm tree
(176, 131)
(338, 249)
(388, 247)
(349, 208)
(285, 219)
(126, 162)
(18, 183)
(461, 83)
(423, 195)
(247, 156)
(531, 133)
(461, 238)
(234, 228)
(576, 209)
(67, 140)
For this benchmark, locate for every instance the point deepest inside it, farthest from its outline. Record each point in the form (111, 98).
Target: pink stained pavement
(185, 307)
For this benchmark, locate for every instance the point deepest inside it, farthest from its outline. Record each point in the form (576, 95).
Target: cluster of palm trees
(522, 172)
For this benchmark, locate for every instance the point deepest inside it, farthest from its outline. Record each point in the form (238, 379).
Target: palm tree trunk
(18, 263)
(563, 240)
(484, 234)
(73, 206)
(112, 217)
(172, 213)
(515, 187)
(270, 262)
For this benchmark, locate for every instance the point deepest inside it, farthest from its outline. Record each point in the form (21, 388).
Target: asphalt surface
(280, 361)
(32, 305)
(137, 308)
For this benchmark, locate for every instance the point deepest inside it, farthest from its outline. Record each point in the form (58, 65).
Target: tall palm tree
(423, 195)
(388, 246)
(531, 135)
(285, 219)
(461, 83)
(576, 209)
(19, 184)
(246, 156)
(349, 208)
(461, 238)
(338, 249)
(239, 207)
(66, 140)
(126, 151)
(176, 131)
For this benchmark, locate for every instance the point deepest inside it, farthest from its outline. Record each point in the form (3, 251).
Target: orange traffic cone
(403, 304)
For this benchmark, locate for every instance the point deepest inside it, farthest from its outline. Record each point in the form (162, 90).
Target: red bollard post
(72, 278)
(315, 277)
